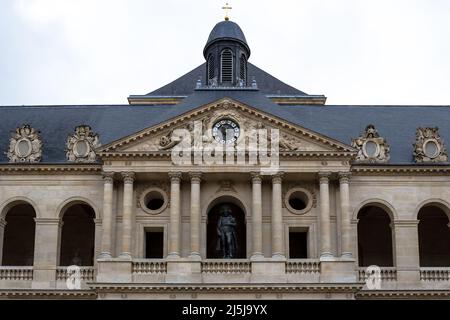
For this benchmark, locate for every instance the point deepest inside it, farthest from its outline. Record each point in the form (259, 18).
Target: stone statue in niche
(226, 232)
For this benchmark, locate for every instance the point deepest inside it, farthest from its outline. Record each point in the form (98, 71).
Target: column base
(257, 256)
(104, 255)
(326, 256)
(195, 256)
(125, 256)
(346, 255)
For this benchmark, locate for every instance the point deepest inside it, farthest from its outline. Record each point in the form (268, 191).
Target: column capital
(108, 177)
(344, 177)
(2, 223)
(175, 176)
(277, 177)
(324, 176)
(128, 177)
(196, 177)
(256, 177)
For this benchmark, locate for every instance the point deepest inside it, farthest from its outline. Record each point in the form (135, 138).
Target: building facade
(226, 183)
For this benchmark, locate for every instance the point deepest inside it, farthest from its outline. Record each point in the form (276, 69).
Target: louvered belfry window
(226, 60)
(243, 69)
(211, 67)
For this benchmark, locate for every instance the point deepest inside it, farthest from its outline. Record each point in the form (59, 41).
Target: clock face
(226, 131)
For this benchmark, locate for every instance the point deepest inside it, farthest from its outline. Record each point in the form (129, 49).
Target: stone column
(277, 217)
(107, 217)
(2, 232)
(344, 179)
(195, 214)
(256, 215)
(175, 217)
(127, 214)
(46, 252)
(325, 225)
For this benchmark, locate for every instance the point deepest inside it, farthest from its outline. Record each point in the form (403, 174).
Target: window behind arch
(243, 69)
(211, 67)
(226, 59)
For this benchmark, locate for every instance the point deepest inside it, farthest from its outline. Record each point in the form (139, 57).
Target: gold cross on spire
(227, 7)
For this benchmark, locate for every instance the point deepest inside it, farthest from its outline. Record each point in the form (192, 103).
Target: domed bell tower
(226, 53)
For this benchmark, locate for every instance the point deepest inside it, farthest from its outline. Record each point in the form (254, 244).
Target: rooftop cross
(227, 7)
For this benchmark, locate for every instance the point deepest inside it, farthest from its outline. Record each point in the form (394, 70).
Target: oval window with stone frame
(371, 149)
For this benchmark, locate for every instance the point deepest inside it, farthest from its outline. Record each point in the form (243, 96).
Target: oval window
(431, 149)
(371, 149)
(153, 201)
(23, 148)
(298, 201)
(81, 148)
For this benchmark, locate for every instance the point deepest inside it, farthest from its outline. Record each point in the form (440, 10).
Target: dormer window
(226, 60)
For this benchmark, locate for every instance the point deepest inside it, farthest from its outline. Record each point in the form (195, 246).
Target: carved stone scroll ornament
(371, 147)
(82, 144)
(25, 145)
(429, 146)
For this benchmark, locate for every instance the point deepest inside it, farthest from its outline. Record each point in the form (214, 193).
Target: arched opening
(226, 236)
(434, 237)
(226, 61)
(18, 239)
(211, 70)
(78, 236)
(374, 237)
(243, 69)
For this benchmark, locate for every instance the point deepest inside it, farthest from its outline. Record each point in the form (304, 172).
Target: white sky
(101, 51)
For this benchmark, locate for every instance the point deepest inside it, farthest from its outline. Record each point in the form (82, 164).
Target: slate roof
(267, 84)
(396, 123)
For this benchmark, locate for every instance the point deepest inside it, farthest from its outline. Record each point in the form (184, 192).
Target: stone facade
(114, 191)
(313, 217)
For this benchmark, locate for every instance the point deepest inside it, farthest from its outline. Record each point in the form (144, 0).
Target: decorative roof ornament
(429, 146)
(371, 147)
(82, 144)
(25, 145)
(227, 8)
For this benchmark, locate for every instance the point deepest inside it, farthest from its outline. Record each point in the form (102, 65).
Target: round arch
(216, 246)
(434, 233)
(18, 241)
(376, 202)
(77, 238)
(66, 204)
(440, 203)
(375, 234)
(12, 202)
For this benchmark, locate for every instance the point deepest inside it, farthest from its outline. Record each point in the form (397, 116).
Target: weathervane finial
(227, 7)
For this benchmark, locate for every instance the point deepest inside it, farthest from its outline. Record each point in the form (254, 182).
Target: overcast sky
(101, 51)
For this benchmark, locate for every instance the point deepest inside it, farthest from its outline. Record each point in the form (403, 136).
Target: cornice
(46, 294)
(50, 168)
(307, 155)
(400, 169)
(227, 288)
(402, 294)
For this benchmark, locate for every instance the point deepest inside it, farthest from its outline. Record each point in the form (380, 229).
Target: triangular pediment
(160, 138)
